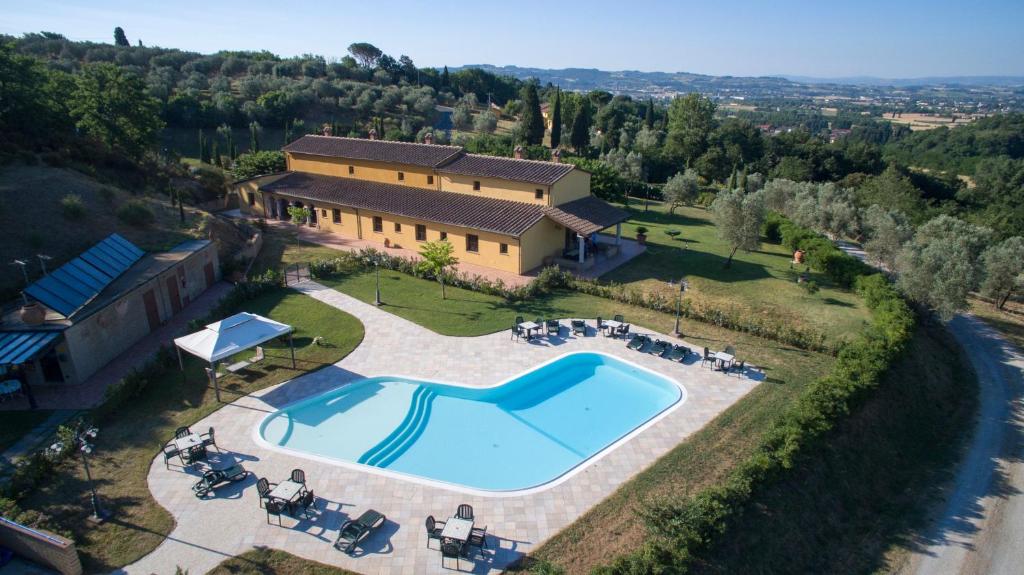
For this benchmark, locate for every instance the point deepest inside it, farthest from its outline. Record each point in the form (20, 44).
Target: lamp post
(82, 439)
(679, 304)
(375, 260)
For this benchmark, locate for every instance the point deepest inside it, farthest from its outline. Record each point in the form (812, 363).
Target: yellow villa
(508, 214)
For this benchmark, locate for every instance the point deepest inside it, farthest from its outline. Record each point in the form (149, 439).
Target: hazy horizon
(902, 40)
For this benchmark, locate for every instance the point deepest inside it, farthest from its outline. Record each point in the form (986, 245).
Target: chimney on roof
(428, 138)
(373, 133)
(556, 156)
(518, 152)
(326, 130)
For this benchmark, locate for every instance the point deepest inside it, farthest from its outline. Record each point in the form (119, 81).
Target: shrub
(770, 229)
(71, 206)
(136, 213)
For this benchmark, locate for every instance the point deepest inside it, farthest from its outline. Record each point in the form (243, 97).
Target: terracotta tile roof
(487, 214)
(427, 155)
(532, 171)
(586, 215)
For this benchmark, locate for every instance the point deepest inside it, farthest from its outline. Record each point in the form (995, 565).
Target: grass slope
(129, 439)
(32, 220)
(266, 561)
(760, 282)
(845, 509)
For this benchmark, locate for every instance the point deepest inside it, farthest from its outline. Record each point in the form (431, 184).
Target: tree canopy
(111, 105)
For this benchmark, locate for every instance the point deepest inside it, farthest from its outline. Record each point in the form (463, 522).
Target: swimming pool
(525, 432)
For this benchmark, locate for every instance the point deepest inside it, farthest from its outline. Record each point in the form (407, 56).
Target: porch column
(618, 233)
(583, 246)
(213, 376)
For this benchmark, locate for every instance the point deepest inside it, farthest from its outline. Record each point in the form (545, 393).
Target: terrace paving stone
(209, 531)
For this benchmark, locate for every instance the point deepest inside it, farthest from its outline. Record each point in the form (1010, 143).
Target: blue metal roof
(73, 284)
(21, 346)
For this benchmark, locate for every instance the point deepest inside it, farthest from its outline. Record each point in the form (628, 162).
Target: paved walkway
(210, 531)
(90, 393)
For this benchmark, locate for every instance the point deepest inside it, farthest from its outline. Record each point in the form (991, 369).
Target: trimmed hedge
(684, 527)
(551, 278)
(821, 254)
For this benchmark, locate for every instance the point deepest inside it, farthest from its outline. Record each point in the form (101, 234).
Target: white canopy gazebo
(222, 339)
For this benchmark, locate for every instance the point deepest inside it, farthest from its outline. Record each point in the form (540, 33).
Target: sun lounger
(638, 342)
(216, 477)
(659, 347)
(553, 326)
(678, 353)
(354, 531)
(579, 326)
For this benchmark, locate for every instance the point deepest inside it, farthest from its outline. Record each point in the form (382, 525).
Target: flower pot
(33, 313)
(641, 239)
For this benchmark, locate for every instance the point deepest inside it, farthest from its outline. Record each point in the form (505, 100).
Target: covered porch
(585, 246)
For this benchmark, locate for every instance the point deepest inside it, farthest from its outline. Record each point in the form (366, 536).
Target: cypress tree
(743, 179)
(580, 136)
(532, 121)
(214, 153)
(556, 121)
(254, 139)
(649, 115)
(204, 150)
(119, 37)
(731, 185)
(445, 80)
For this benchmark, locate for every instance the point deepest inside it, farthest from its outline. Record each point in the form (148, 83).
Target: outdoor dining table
(529, 326)
(724, 358)
(186, 444)
(287, 491)
(611, 324)
(457, 529)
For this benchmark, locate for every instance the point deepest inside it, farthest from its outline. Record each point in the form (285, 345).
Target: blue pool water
(523, 433)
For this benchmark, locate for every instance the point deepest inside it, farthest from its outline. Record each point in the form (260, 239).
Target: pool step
(389, 448)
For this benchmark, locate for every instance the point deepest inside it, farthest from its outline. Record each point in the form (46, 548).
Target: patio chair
(434, 529)
(208, 440)
(449, 550)
(465, 511)
(678, 353)
(730, 350)
(276, 507)
(170, 452)
(638, 342)
(579, 326)
(352, 532)
(518, 332)
(263, 488)
(623, 330)
(478, 538)
(618, 317)
(540, 323)
(600, 325)
(307, 500)
(182, 432)
(298, 476)
(707, 358)
(553, 326)
(739, 366)
(659, 347)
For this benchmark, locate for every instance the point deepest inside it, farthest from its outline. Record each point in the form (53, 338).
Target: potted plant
(32, 313)
(641, 235)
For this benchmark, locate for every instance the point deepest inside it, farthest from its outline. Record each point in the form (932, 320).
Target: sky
(821, 38)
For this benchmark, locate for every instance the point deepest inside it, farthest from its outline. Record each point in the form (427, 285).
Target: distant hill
(1004, 81)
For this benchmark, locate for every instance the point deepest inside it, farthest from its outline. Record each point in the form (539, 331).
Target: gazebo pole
(292, 346)
(181, 364)
(213, 375)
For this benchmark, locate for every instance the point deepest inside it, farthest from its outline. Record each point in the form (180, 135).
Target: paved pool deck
(209, 531)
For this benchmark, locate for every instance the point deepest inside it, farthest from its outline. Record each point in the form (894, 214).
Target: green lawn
(266, 561)
(17, 424)
(130, 438)
(760, 282)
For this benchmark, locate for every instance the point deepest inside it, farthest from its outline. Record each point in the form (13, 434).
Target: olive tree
(942, 264)
(1004, 270)
(738, 217)
(681, 189)
(886, 231)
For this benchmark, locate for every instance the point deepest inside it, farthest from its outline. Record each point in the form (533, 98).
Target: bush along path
(981, 522)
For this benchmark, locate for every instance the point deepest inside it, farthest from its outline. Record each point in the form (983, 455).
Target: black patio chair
(276, 507)
(182, 432)
(465, 511)
(170, 452)
(434, 529)
(298, 476)
(618, 317)
(451, 549)
(540, 324)
(208, 440)
(478, 538)
(739, 366)
(553, 326)
(307, 500)
(518, 332)
(600, 325)
(707, 358)
(579, 327)
(730, 350)
(623, 330)
(263, 488)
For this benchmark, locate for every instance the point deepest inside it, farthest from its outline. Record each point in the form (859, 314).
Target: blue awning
(17, 347)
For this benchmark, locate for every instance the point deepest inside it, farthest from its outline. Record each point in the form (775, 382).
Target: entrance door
(152, 313)
(282, 209)
(210, 277)
(172, 291)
